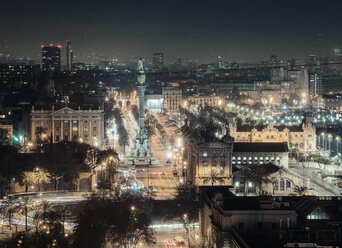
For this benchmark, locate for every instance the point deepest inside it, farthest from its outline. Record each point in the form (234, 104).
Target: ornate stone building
(67, 124)
(205, 161)
(302, 137)
(248, 153)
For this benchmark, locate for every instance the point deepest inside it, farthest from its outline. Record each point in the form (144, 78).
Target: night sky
(236, 30)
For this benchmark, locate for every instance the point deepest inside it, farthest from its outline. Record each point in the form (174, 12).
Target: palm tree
(300, 190)
(212, 177)
(260, 176)
(27, 204)
(41, 176)
(273, 181)
(245, 175)
(64, 211)
(48, 216)
(28, 179)
(56, 176)
(8, 208)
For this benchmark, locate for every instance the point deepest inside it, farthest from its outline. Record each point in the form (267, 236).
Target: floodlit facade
(301, 137)
(172, 98)
(67, 124)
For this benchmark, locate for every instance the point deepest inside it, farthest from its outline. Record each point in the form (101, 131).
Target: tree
(47, 218)
(28, 178)
(56, 176)
(36, 240)
(8, 207)
(300, 190)
(274, 180)
(260, 176)
(41, 176)
(213, 176)
(122, 220)
(245, 175)
(26, 205)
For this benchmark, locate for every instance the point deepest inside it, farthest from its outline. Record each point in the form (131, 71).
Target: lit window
(288, 185)
(205, 154)
(318, 214)
(282, 184)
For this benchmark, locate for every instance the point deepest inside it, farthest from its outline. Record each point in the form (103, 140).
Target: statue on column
(141, 76)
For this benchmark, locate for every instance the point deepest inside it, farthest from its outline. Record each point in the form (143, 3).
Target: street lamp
(323, 141)
(329, 140)
(337, 143)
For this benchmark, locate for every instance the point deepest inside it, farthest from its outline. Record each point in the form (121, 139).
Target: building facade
(6, 130)
(247, 153)
(209, 163)
(173, 98)
(51, 58)
(200, 100)
(301, 137)
(67, 124)
(69, 56)
(315, 84)
(333, 102)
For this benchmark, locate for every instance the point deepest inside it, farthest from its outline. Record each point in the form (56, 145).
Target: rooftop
(260, 147)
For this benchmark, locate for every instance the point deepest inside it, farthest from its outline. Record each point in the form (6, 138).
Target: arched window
(276, 185)
(282, 184)
(288, 185)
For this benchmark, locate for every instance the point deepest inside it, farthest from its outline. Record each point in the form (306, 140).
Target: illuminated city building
(69, 56)
(247, 153)
(6, 130)
(172, 98)
(302, 137)
(333, 102)
(315, 84)
(67, 124)
(203, 100)
(158, 61)
(51, 58)
(208, 163)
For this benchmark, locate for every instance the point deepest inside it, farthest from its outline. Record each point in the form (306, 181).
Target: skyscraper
(315, 84)
(69, 55)
(51, 58)
(158, 61)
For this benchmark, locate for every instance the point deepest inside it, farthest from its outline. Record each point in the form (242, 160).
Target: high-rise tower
(69, 55)
(158, 61)
(141, 152)
(51, 58)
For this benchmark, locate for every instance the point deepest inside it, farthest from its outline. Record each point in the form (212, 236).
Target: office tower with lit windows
(51, 58)
(69, 55)
(158, 61)
(315, 84)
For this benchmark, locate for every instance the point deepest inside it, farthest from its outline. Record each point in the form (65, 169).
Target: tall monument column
(141, 152)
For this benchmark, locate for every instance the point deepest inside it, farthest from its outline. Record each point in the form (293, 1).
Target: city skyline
(245, 31)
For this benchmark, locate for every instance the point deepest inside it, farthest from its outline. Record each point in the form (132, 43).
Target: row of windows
(255, 158)
(281, 186)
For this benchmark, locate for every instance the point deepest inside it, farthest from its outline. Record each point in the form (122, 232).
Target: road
(319, 187)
